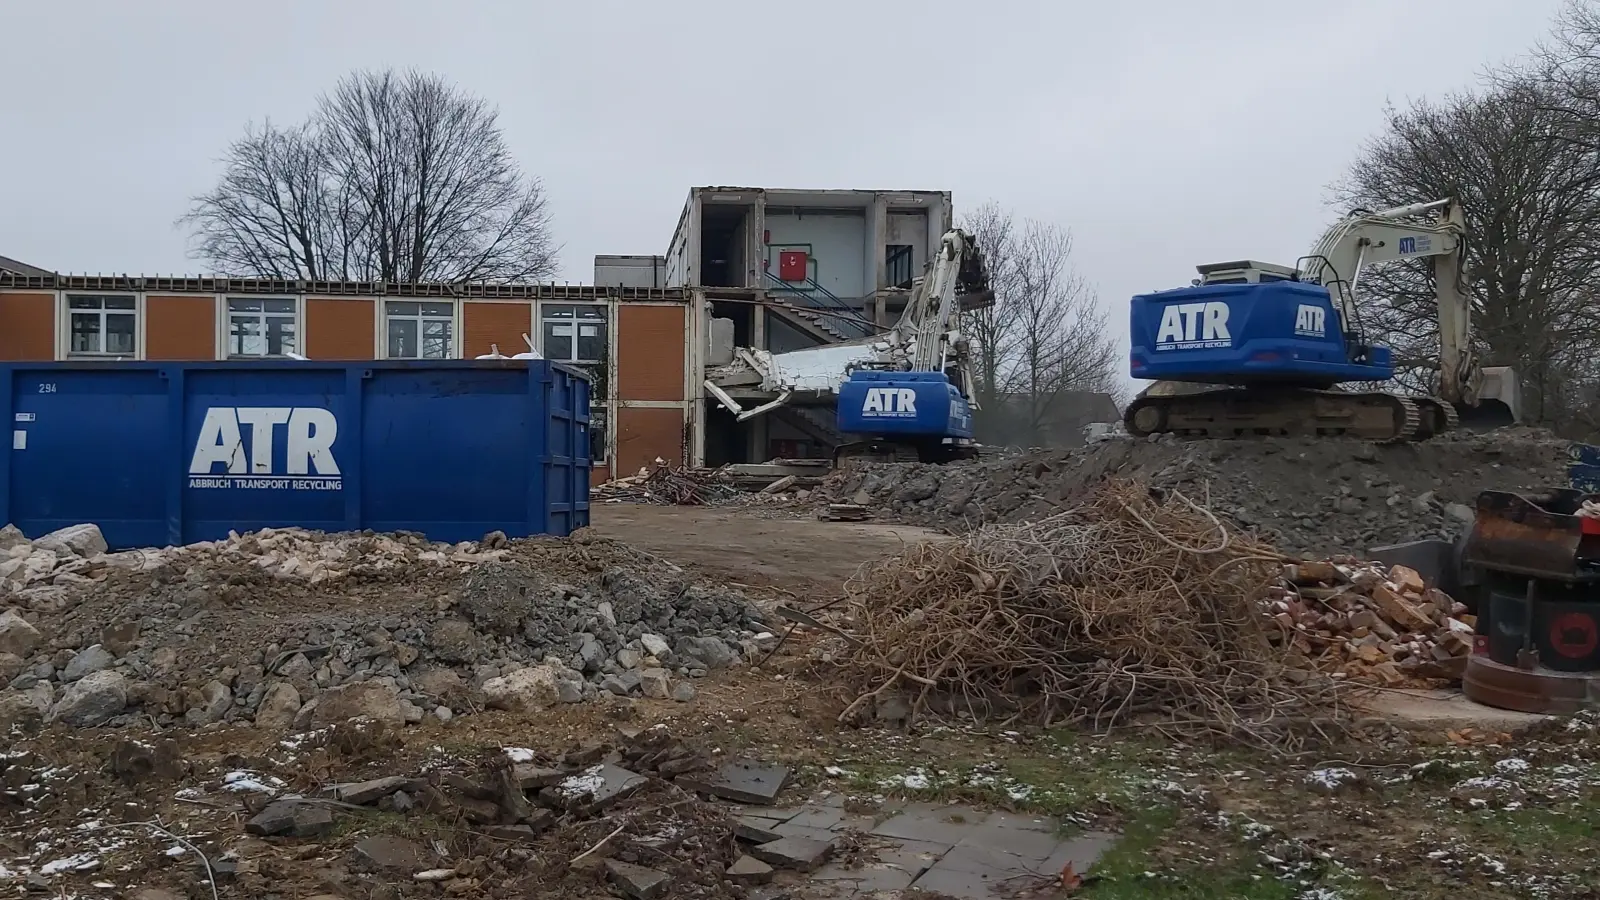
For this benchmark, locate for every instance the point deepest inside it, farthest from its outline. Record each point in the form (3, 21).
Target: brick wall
(650, 352)
(340, 329)
(180, 328)
(27, 327)
(504, 324)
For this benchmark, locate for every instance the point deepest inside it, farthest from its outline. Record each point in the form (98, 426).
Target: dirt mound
(1316, 497)
(289, 627)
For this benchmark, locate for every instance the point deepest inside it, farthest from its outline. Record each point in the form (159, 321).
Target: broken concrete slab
(802, 854)
(311, 821)
(532, 777)
(593, 789)
(363, 793)
(637, 882)
(273, 819)
(741, 781)
(390, 853)
(749, 870)
(756, 830)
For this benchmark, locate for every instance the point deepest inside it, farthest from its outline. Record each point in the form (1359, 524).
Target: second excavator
(1254, 348)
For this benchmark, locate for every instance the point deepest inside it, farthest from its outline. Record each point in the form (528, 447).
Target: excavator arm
(1434, 230)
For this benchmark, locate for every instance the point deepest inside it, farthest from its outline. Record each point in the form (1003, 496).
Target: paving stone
(740, 781)
(362, 793)
(1082, 850)
(958, 884)
(926, 822)
(637, 882)
(756, 830)
(788, 829)
(914, 857)
(749, 870)
(824, 817)
(1027, 844)
(867, 879)
(799, 853)
(1022, 822)
(778, 813)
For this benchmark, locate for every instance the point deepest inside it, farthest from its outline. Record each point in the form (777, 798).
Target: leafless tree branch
(397, 177)
(1045, 343)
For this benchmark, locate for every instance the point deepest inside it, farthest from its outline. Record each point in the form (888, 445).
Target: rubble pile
(1359, 622)
(1313, 497)
(289, 628)
(666, 485)
(1126, 610)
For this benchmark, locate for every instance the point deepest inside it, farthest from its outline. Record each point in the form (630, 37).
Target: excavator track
(1240, 412)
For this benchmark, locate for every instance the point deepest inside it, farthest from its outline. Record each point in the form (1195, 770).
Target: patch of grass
(1568, 831)
(1122, 871)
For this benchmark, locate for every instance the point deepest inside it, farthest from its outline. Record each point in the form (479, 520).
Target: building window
(102, 326)
(262, 327)
(574, 333)
(419, 330)
(898, 260)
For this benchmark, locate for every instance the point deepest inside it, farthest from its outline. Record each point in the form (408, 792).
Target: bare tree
(1532, 200)
(1045, 345)
(397, 177)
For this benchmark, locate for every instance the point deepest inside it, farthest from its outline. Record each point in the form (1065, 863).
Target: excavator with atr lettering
(1258, 349)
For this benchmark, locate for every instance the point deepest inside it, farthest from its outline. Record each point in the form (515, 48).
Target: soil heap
(1315, 497)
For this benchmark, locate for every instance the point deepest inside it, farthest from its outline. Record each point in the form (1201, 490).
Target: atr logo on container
(1310, 321)
(1194, 326)
(890, 402)
(308, 461)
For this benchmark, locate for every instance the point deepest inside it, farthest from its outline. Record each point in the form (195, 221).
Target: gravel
(290, 628)
(1315, 497)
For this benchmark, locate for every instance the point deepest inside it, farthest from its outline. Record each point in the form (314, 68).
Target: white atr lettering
(1186, 326)
(890, 402)
(310, 432)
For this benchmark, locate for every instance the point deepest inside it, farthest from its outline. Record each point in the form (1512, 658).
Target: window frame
(64, 330)
(454, 350)
(600, 369)
(902, 257)
(226, 316)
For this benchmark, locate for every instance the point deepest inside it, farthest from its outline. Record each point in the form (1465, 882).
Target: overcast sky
(1165, 133)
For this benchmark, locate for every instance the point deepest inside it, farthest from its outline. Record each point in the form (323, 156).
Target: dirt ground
(806, 556)
(1506, 809)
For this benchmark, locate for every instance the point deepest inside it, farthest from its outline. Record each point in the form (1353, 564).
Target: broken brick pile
(1358, 621)
(643, 816)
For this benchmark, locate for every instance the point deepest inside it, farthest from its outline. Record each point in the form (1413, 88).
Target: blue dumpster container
(171, 453)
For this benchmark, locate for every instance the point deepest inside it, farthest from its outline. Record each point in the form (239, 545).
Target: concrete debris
(1371, 625)
(637, 882)
(290, 628)
(1313, 497)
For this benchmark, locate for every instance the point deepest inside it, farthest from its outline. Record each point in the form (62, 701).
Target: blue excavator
(1258, 349)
